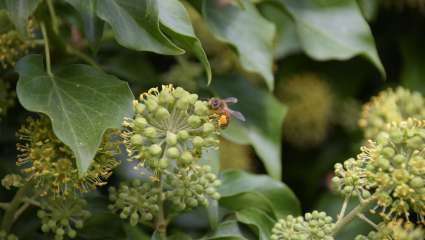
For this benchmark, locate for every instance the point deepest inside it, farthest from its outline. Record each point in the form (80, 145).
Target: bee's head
(215, 103)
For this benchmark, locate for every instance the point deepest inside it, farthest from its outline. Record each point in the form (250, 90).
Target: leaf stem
(343, 208)
(9, 215)
(52, 13)
(82, 56)
(46, 49)
(161, 223)
(350, 216)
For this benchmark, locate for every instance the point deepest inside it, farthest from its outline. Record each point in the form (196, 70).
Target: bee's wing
(237, 115)
(230, 100)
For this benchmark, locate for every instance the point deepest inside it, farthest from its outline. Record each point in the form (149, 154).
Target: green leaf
(286, 41)
(264, 117)
(413, 70)
(19, 11)
(262, 189)
(136, 25)
(135, 233)
(333, 30)
(247, 31)
(93, 26)
(258, 219)
(230, 230)
(176, 23)
(81, 101)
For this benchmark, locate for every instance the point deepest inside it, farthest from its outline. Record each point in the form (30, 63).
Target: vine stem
(367, 220)
(344, 208)
(9, 215)
(4, 205)
(350, 216)
(46, 49)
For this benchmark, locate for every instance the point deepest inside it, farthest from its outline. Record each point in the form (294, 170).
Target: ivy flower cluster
(5, 236)
(51, 165)
(391, 170)
(309, 114)
(395, 230)
(313, 226)
(390, 106)
(166, 138)
(63, 216)
(12, 44)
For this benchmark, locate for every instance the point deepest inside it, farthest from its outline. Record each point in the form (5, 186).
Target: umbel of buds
(390, 106)
(166, 138)
(137, 201)
(63, 216)
(170, 125)
(313, 226)
(51, 165)
(390, 171)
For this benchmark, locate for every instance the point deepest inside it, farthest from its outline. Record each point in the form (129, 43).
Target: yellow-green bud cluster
(7, 97)
(5, 236)
(12, 45)
(137, 202)
(313, 226)
(12, 180)
(395, 230)
(63, 216)
(170, 125)
(51, 164)
(190, 187)
(309, 114)
(390, 106)
(391, 171)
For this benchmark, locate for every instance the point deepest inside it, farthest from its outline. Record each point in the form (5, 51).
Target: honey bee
(223, 112)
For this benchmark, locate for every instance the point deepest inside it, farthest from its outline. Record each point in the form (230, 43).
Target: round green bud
(60, 231)
(140, 122)
(192, 98)
(208, 127)
(171, 138)
(151, 104)
(415, 142)
(186, 157)
(155, 149)
(173, 152)
(192, 202)
(163, 163)
(136, 139)
(417, 182)
(41, 214)
(147, 217)
(388, 152)
(179, 92)
(201, 108)
(162, 113)
(216, 196)
(79, 224)
(45, 228)
(64, 222)
(197, 141)
(140, 108)
(51, 223)
(165, 98)
(182, 103)
(72, 233)
(150, 132)
(183, 135)
(194, 121)
(134, 219)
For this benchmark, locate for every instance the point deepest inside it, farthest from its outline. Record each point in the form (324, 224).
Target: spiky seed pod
(137, 201)
(190, 187)
(310, 102)
(390, 170)
(12, 180)
(171, 127)
(390, 106)
(52, 165)
(313, 226)
(63, 216)
(12, 45)
(395, 230)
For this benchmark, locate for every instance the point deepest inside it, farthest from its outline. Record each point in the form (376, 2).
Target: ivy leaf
(136, 25)
(81, 101)
(93, 26)
(177, 25)
(333, 30)
(259, 220)
(264, 117)
(246, 30)
(19, 11)
(264, 192)
(230, 230)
